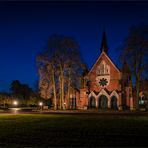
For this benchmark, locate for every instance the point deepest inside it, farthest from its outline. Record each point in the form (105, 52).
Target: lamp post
(15, 103)
(41, 105)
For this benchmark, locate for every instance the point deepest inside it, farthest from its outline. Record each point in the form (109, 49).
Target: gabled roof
(103, 53)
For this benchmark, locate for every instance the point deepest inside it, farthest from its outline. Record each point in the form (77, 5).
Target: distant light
(15, 103)
(40, 103)
(15, 110)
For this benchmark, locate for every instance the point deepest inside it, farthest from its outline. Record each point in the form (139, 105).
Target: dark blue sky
(26, 26)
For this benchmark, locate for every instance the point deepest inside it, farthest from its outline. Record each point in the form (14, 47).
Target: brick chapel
(105, 85)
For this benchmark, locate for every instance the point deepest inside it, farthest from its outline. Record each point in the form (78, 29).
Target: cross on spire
(104, 46)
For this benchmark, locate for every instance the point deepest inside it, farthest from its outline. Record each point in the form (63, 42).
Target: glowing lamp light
(15, 103)
(41, 103)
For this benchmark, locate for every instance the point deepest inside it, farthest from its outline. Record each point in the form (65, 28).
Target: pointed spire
(104, 46)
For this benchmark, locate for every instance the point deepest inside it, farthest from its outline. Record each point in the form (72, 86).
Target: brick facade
(104, 90)
(105, 86)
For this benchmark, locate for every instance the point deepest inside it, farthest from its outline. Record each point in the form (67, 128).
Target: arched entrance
(103, 102)
(92, 102)
(114, 102)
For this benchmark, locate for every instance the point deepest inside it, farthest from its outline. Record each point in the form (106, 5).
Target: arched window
(107, 69)
(114, 102)
(103, 102)
(92, 102)
(103, 68)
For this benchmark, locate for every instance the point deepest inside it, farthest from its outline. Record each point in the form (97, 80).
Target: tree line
(22, 93)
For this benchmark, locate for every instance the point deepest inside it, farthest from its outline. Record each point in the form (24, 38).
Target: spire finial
(104, 46)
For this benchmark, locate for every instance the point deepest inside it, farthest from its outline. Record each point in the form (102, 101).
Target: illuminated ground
(45, 130)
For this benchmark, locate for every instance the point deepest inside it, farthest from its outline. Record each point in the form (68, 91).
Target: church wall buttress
(83, 98)
(129, 98)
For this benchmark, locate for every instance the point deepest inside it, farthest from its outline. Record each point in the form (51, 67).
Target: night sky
(26, 26)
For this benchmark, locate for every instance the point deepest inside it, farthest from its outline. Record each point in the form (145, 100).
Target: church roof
(103, 53)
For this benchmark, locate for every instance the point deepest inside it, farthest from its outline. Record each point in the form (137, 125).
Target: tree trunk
(62, 90)
(61, 87)
(68, 92)
(137, 92)
(4, 103)
(60, 94)
(54, 90)
(138, 76)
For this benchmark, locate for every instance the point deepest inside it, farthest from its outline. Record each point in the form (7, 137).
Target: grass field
(37, 130)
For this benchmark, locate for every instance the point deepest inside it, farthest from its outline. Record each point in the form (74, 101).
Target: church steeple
(104, 46)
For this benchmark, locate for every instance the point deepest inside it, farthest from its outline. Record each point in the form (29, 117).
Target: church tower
(104, 90)
(108, 87)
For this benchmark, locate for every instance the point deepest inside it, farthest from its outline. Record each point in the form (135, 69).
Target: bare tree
(59, 64)
(136, 54)
(47, 77)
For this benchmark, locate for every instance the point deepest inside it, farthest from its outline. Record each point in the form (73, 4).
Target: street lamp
(15, 110)
(15, 103)
(41, 105)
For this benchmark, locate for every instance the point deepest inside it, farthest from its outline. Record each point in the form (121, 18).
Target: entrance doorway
(103, 102)
(92, 102)
(114, 103)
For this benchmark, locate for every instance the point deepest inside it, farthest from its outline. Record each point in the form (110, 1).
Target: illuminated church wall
(102, 88)
(104, 70)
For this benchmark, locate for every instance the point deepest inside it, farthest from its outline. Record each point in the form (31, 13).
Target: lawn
(45, 130)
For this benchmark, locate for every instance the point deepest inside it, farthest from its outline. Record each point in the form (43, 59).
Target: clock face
(103, 82)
